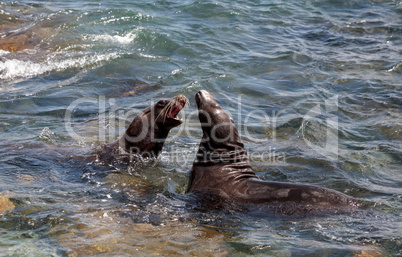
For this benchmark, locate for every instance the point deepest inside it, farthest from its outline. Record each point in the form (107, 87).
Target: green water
(313, 86)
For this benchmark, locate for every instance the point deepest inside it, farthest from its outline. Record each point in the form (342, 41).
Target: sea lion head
(149, 129)
(220, 135)
(164, 112)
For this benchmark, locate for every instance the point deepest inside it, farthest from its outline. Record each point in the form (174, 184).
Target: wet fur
(233, 180)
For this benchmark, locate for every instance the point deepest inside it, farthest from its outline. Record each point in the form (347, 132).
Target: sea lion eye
(162, 102)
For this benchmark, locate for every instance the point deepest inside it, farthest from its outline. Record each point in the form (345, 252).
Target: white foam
(13, 68)
(2, 52)
(126, 39)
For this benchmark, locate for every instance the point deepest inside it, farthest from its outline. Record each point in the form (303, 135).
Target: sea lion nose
(181, 98)
(203, 93)
(203, 96)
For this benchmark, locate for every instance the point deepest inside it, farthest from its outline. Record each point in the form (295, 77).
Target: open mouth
(181, 101)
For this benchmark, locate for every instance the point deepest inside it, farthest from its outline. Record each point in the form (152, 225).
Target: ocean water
(313, 86)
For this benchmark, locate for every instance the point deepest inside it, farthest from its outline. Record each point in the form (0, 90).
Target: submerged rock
(16, 43)
(5, 204)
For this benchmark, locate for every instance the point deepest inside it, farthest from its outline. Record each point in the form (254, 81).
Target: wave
(14, 68)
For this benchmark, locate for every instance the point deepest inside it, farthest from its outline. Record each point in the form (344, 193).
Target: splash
(47, 135)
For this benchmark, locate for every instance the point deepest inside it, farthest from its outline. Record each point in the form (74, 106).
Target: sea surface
(313, 86)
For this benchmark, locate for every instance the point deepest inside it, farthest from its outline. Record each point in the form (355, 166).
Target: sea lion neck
(144, 138)
(221, 141)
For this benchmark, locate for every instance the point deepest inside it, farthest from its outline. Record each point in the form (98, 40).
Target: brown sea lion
(221, 172)
(147, 133)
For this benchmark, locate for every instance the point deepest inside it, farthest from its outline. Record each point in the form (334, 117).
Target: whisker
(166, 109)
(183, 111)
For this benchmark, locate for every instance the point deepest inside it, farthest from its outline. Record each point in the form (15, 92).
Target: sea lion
(146, 134)
(221, 172)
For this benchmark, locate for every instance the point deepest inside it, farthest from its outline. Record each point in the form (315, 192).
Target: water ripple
(315, 84)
